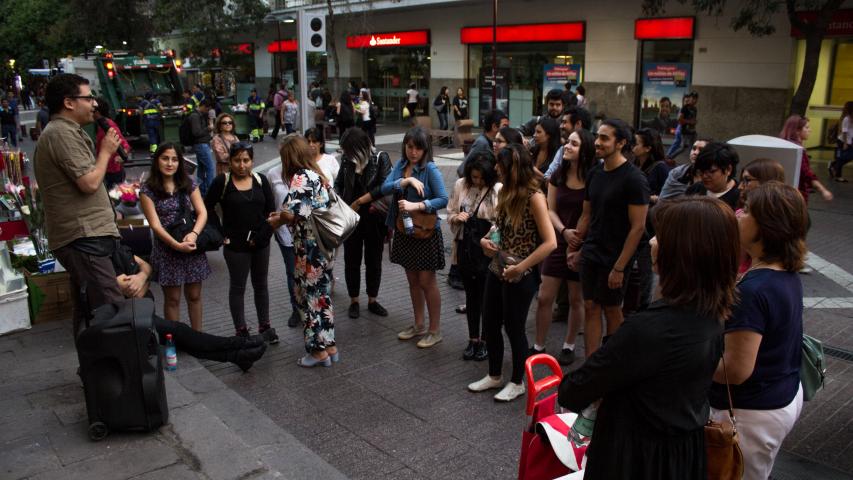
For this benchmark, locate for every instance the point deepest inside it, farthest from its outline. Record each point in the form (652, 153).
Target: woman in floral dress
(309, 189)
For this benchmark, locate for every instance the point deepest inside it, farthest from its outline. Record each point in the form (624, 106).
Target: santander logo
(394, 40)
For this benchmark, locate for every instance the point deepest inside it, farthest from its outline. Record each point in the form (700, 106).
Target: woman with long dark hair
(650, 157)
(547, 141)
(178, 264)
(797, 130)
(246, 199)
(309, 190)
(653, 374)
(418, 186)
(441, 105)
(345, 114)
(522, 238)
(565, 205)
(472, 209)
(359, 184)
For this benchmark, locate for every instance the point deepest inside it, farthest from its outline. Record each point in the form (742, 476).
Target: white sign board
(788, 154)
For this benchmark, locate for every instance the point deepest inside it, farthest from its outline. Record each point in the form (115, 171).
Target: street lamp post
(495, 55)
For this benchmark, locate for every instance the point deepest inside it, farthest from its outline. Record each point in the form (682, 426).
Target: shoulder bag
(724, 456)
(332, 225)
(469, 254)
(424, 223)
(812, 368)
(208, 240)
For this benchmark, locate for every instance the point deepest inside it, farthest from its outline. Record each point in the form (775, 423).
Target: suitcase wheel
(98, 431)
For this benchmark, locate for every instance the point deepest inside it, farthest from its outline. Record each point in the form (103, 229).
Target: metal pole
(495, 55)
(303, 70)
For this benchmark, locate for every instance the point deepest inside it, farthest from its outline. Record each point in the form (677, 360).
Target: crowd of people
(596, 219)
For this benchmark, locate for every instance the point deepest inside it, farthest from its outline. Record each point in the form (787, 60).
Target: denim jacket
(435, 195)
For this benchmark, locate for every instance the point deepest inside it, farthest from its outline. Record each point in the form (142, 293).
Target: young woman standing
(223, 138)
(565, 205)
(177, 263)
(547, 141)
(246, 199)
(418, 186)
(523, 238)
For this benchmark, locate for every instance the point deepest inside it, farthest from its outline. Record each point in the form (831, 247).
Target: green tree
(756, 16)
(205, 30)
(31, 31)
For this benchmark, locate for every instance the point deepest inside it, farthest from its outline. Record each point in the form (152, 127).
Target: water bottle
(171, 354)
(408, 224)
(495, 236)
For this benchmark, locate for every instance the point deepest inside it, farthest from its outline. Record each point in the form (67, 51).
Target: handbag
(812, 367)
(423, 222)
(724, 456)
(208, 240)
(332, 225)
(469, 254)
(406, 112)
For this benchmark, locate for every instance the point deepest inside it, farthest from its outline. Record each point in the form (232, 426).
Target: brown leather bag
(423, 222)
(724, 456)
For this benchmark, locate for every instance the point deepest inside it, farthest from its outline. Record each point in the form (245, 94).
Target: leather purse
(812, 367)
(423, 222)
(210, 238)
(332, 225)
(724, 456)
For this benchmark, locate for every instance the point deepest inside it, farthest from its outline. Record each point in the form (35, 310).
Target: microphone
(102, 122)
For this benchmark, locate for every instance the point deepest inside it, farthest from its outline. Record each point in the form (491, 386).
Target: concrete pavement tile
(177, 394)
(20, 385)
(292, 460)
(244, 419)
(832, 415)
(71, 443)
(178, 471)
(27, 423)
(60, 395)
(26, 456)
(404, 474)
(357, 458)
(11, 407)
(71, 413)
(147, 454)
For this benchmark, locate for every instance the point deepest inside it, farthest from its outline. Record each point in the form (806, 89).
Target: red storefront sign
(841, 24)
(281, 46)
(244, 48)
(676, 28)
(414, 38)
(542, 32)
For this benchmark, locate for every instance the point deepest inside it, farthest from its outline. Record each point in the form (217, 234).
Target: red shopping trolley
(547, 451)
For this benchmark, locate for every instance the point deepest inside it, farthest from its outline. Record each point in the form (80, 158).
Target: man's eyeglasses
(89, 97)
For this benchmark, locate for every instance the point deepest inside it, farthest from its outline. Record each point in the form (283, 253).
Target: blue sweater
(435, 195)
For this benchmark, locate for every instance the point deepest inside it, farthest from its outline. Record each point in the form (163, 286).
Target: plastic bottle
(408, 224)
(495, 236)
(171, 354)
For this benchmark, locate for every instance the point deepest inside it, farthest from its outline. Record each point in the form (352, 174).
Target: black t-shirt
(7, 116)
(242, 212)
(731, 197)
(610, 194)
(771, 304)
(688, 113)
(462, 105)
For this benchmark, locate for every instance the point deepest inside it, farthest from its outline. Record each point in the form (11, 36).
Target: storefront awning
(674, 28)
(532, 33)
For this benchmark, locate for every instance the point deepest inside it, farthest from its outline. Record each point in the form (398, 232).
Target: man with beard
(555, 106)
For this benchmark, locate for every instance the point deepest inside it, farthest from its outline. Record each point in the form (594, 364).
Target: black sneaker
(294, 319)
(533, 351)
(482, 352)
(354, 310)
(377, 309)
(470, 350)
(270, 336)
(566, 357)
(243, 332)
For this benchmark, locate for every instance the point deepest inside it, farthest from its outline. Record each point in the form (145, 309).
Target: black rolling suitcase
(121, 365)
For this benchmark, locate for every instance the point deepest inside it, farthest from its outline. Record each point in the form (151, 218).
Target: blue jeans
(205, 172)
(289, 264)
(11, 134)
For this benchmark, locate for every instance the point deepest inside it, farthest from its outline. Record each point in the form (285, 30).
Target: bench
(460, 135)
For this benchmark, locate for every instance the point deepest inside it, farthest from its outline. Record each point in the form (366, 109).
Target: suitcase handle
(537, 387)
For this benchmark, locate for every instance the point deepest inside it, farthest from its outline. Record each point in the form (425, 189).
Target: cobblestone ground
(391, 410)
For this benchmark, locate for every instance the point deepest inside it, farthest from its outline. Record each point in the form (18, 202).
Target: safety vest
(150, 110)
(255, 104)
(189, 105)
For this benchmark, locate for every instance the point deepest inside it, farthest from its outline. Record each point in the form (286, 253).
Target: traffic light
(314, 32)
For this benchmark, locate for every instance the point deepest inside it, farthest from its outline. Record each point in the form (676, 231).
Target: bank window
(665, 77)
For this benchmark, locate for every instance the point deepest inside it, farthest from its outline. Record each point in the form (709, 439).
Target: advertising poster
(664, 86)
(490, 86)
(555, 76)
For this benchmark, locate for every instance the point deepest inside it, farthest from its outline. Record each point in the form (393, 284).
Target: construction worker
(198, 94)
(189, 102)
(152, 113)
(256, 111)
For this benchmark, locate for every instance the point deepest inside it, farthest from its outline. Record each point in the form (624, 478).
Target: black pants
(474, 288)
(369, 128)
(277, 127)
(638, 295)
(506, 305)
(842, 157)
(368, 239)
(198, 344)
(96, 273)
(240, 264)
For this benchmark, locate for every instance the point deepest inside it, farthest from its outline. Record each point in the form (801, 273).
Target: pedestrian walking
(206, 169)
(418, 189)
(797, 130)
(359, 184)
(345, 114)
(179, 265)
(246, 200)
(522, 238)
(278, 101)
(565, 205)
(413, 98)
(471, 212)
(652, 375)
(844, 142)
(256, 108)
(289, 114)
(763, 339)
(309, 190)
(367, 122)
(223, 139)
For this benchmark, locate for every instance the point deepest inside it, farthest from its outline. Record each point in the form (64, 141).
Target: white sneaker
(486, 383)
(510, 392)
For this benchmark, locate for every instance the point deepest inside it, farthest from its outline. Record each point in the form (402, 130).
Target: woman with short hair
(716, 166)
(764, 334)
(654, 372)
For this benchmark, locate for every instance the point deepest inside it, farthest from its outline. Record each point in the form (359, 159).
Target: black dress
(653, 375)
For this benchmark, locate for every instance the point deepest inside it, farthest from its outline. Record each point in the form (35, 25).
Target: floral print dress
(313, 271)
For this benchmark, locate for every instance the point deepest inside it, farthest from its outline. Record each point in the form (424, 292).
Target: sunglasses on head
(240, 146)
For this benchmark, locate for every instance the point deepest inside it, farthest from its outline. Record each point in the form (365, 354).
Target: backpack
(374, 111)
(185, 132)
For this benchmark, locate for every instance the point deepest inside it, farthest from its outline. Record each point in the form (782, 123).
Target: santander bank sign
(415, 38)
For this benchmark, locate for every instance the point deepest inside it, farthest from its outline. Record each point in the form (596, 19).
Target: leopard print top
(519, 241)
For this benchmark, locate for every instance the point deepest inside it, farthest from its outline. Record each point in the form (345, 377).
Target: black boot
(246, 357)
(482, 352)
(470, 350)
